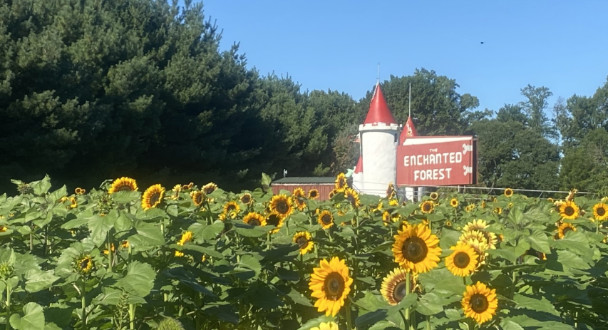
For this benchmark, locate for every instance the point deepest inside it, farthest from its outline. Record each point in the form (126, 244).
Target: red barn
(323, 184)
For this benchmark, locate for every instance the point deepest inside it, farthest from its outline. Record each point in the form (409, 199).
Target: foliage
(97, 260)
(512, 155)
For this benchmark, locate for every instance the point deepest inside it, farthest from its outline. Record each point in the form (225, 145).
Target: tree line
(94, 90)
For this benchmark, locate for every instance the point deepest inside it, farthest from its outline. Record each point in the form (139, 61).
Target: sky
(491, 48)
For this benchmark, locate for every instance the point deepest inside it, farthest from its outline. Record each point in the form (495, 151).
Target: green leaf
(571, 260)
(430, 304)
(209, 232)
(109, 296)
(139, 279)
(539, 241)
(510, 325)
(99, 227)
(41, 187)
(33, 318)
(370, 318)
(148, 235)
(36, 280)
(250, 262)
(541, 305)
(248, 231)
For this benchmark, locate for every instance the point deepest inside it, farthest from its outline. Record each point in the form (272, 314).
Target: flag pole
(409, 103)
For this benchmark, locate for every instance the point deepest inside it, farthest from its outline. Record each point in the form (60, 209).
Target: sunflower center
(479, 303)
(254, 222)
(461, 260)
(273, 220)
(246, 199)
(282, 207)
(569, 211)
(154, 198)
(124, 187)
(326, 219)
(600, 211)
(426, 207)
(302, 242)
(414, 249)
(399, 291)
(313, 194)
(334, 286)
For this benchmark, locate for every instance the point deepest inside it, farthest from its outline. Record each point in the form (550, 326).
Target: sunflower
(231, 209)
(569, 210)
(246, 199)
(325, 219)
(152, 197)
(79, 191)
(304, 241)
(454, 202)
(197, 197)
(332, 193)
(85, 264)
(352, 196)
(326, 326)
(123, 184)
(298, 192)
(463, 261)
(340, 181)
(176, 190)
(393, 202)
(479, 302)
(563, 228)
(73, 202)
(390, 191)
(386, 218)
(313, 193)
(179, 253)
(330, 284)
(276, 220)
(427, 206)
(254, 219)
(186, 237)
(124, 244)
(497, 210)
(300, 202)
(470, 208)
(393, 286)
(416, 248)
(434, 195)
(508, 192)
(3, 229)
(209, 188)
(600, 212)
(478, 224)
(281, 204)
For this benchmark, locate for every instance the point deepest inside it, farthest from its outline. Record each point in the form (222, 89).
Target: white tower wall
(379, 149)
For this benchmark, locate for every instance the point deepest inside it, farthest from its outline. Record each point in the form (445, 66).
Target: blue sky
(338, 45)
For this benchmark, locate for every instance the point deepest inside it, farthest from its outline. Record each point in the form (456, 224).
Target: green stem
(348, 316)
(83, 303)
(407, 292)
(131, 316)
(8, 305)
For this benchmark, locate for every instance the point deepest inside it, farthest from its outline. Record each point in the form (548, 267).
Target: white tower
(379, 136)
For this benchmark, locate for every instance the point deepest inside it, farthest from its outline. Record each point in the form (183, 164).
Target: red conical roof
(378, 110)
(359, 167)
(408, 130)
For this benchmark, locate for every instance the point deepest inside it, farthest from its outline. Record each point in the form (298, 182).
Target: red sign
(436, 161)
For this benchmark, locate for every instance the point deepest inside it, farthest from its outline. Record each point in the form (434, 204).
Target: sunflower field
(198, 257)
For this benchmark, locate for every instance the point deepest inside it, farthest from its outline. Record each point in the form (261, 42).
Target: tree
(585, 167)
(534, 107)
(582, 115)
(513, 155)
